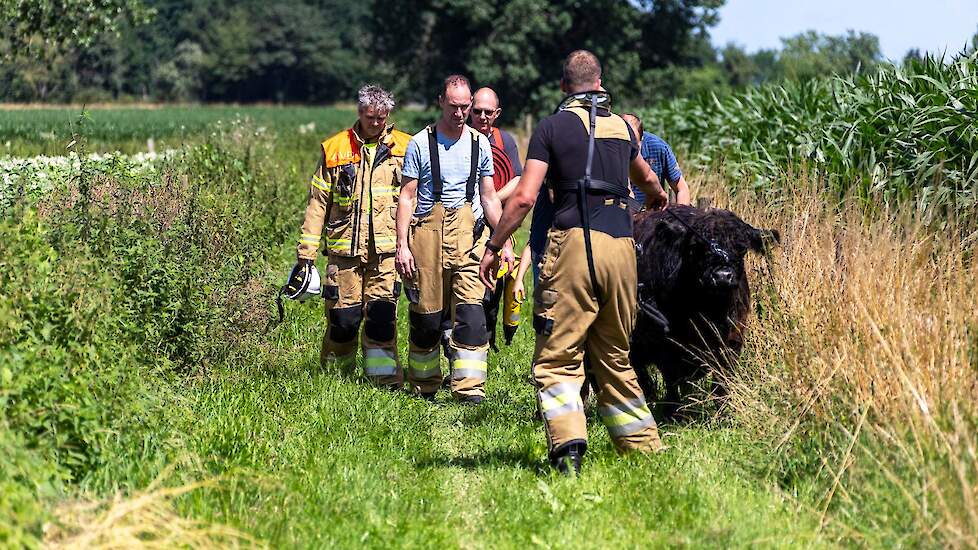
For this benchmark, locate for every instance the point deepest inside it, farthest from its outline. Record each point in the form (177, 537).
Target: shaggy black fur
(701, 290)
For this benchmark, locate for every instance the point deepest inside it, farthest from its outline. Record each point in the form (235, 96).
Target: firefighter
(353, 195)
(586, 301)
(446, 209)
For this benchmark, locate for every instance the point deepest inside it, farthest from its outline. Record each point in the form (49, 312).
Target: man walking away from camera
(586, 300)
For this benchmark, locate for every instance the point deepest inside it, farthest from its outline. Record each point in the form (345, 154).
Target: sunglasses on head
(479, 112)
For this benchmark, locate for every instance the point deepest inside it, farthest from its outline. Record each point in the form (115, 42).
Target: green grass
(320, 459)
(309, 458)
(46, 131)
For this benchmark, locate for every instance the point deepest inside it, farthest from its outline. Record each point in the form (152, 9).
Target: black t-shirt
(561, 141)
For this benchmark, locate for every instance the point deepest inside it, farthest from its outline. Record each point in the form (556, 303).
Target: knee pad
(425, 329)
(470, 325)
(344, 323)
(381, 323)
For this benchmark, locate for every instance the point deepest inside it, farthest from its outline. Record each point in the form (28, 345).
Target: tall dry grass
(861, 368)
(146, 519)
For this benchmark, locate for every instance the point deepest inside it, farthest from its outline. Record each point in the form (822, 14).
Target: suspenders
(582, 192)
(584, 186)
(436, 166)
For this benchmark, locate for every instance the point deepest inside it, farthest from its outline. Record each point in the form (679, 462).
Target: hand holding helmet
(303, 283)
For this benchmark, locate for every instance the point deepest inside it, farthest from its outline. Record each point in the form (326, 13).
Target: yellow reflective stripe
(624, 417)
(309, 239)
(338, 243)
(383, 239)
(471, 364)
(342, 201)
(424, 359)
(424, 366)
(558, 401)
(381, 359)
(386, 192)
(320, 183)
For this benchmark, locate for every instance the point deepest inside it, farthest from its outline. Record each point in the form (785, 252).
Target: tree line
(321, 51)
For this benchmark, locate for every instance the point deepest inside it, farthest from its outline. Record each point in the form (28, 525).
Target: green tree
(517, 46)
(65, 23)
(676, 32)
(740, 67)
(810, 54)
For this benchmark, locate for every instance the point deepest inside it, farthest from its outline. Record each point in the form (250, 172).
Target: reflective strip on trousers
(382, 240)
(560, 399)
(338, 244)
(470, 364)
(386, 192)
(342, 360)
(425, 365)
(626, 418)
(379, 362)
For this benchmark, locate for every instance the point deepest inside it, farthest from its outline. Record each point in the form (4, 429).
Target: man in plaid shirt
(660, 157)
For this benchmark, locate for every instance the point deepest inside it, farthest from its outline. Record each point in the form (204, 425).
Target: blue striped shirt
(660, 157)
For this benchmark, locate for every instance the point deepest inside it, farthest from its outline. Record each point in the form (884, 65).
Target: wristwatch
(495, 249)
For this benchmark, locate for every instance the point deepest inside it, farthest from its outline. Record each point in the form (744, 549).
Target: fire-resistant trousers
(570, 321)
(447, 255)
(354, 289)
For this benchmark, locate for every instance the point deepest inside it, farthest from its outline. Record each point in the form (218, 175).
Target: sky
(930, 25)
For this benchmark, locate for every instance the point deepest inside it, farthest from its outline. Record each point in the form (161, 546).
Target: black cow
(693, 295)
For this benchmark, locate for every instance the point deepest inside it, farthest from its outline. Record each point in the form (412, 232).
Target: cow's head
(712, 249)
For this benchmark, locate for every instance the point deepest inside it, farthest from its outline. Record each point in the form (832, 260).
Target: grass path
(313, 459)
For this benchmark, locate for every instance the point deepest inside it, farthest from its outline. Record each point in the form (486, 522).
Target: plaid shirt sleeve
(660, 157)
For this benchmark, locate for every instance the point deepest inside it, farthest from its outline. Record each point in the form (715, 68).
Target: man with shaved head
(485, 111)
(507, 170)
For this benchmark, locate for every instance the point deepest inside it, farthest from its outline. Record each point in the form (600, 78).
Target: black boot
(568, 455)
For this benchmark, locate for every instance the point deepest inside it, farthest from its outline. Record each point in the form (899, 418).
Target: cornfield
(903, 133)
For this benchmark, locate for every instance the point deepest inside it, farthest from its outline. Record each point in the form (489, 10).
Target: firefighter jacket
(353, 196)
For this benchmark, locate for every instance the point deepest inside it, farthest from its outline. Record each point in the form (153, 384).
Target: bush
(114, 286)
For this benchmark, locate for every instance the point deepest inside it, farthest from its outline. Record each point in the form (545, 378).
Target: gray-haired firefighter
(447, 198)
(353, 196)
(585, 303)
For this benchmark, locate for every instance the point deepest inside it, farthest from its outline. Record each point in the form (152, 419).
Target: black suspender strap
(435, 165)
(473, 170)
(582, 204)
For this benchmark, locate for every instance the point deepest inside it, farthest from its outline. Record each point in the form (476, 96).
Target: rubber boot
(568, 456)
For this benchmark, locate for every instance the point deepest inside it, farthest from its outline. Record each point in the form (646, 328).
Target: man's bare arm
(682, 190)
(507, 191)
(642, 175)
(519, 205)
(515, 212)
(403, 259)
(491, 207)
